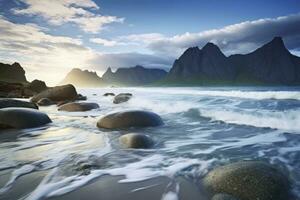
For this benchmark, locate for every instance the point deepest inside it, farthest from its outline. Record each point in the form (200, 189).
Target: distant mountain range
(137, 75)
(82, 78)
(271, 64)
(131, 76)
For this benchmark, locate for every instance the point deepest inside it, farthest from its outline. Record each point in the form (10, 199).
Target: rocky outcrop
(7, 103)
(248, 180)
(126, 119)
(83, 78)
(37, 86)
(20, 118)
(58, 93)
(12, 73)
(78, 107)
(133, 76)
(271, 64)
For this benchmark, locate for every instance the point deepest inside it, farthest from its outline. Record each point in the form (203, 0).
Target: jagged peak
(211, 47)
(276, 42)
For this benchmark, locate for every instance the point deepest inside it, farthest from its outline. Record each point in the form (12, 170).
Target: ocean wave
(284, 120)
(228, 93)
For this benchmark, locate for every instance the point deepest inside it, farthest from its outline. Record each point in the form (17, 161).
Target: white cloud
(44, 56)
(104, 42)
(58, 12)
(49, 57)
(237, 38)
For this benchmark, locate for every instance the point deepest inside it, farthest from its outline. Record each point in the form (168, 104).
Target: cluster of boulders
(245, 180)
(21, 90)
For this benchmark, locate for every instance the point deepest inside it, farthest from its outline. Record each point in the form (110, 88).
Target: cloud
(237, 38)
(43, 55)
(58, 12)
(133, 39)
(49, 57)
(104, 42)
(100, 62)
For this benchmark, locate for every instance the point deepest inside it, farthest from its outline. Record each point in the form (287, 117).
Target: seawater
(203, 128)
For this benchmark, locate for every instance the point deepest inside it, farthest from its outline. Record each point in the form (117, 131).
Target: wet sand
(108, 188)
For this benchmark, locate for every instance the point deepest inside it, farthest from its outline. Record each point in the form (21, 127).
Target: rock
(135, 118)
(60, 103)
(22, 118)
(122, 97)
(15, 94)
(108, 94)
(13, 73)
(6, 103)
(136, 141)
(248, 180)
(80, 97)
(45, 102)
(58, 93)
(223, 197)
(15, 90)
(37, 86)
(77, 107)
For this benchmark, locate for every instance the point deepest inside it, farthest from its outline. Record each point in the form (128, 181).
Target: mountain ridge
(270, 64)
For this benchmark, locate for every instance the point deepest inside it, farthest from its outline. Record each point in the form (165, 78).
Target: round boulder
(122, 97)
(45, 102)
(248, 180)
(78, 107)
(136, 141)
(135, 118)
(22, 118)
(58, 93)
(7, 103)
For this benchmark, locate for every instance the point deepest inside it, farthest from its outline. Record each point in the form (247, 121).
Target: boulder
(223, 197)
(80, 97)
(108, 94)
(248, 180)
(135, 118)
(22, 118)
(37, 86)
(122, 97)
(77, 107)
(58, 93)
(60, 103)
(136, 141)
(6, 103)
(45, 102)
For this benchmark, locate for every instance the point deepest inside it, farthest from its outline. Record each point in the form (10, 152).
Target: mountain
(12, 73)
(82, 78)
(137, 75)
(271, 64)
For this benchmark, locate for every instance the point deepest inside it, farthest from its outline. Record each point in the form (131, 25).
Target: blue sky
(50, 37)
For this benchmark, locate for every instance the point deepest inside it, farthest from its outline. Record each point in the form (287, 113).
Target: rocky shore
(243, 180)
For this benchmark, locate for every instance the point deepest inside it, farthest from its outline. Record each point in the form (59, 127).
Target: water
(204, 128)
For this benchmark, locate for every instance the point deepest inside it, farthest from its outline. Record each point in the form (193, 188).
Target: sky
(50, 37)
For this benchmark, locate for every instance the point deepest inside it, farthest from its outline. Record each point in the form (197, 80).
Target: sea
(204, 127)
